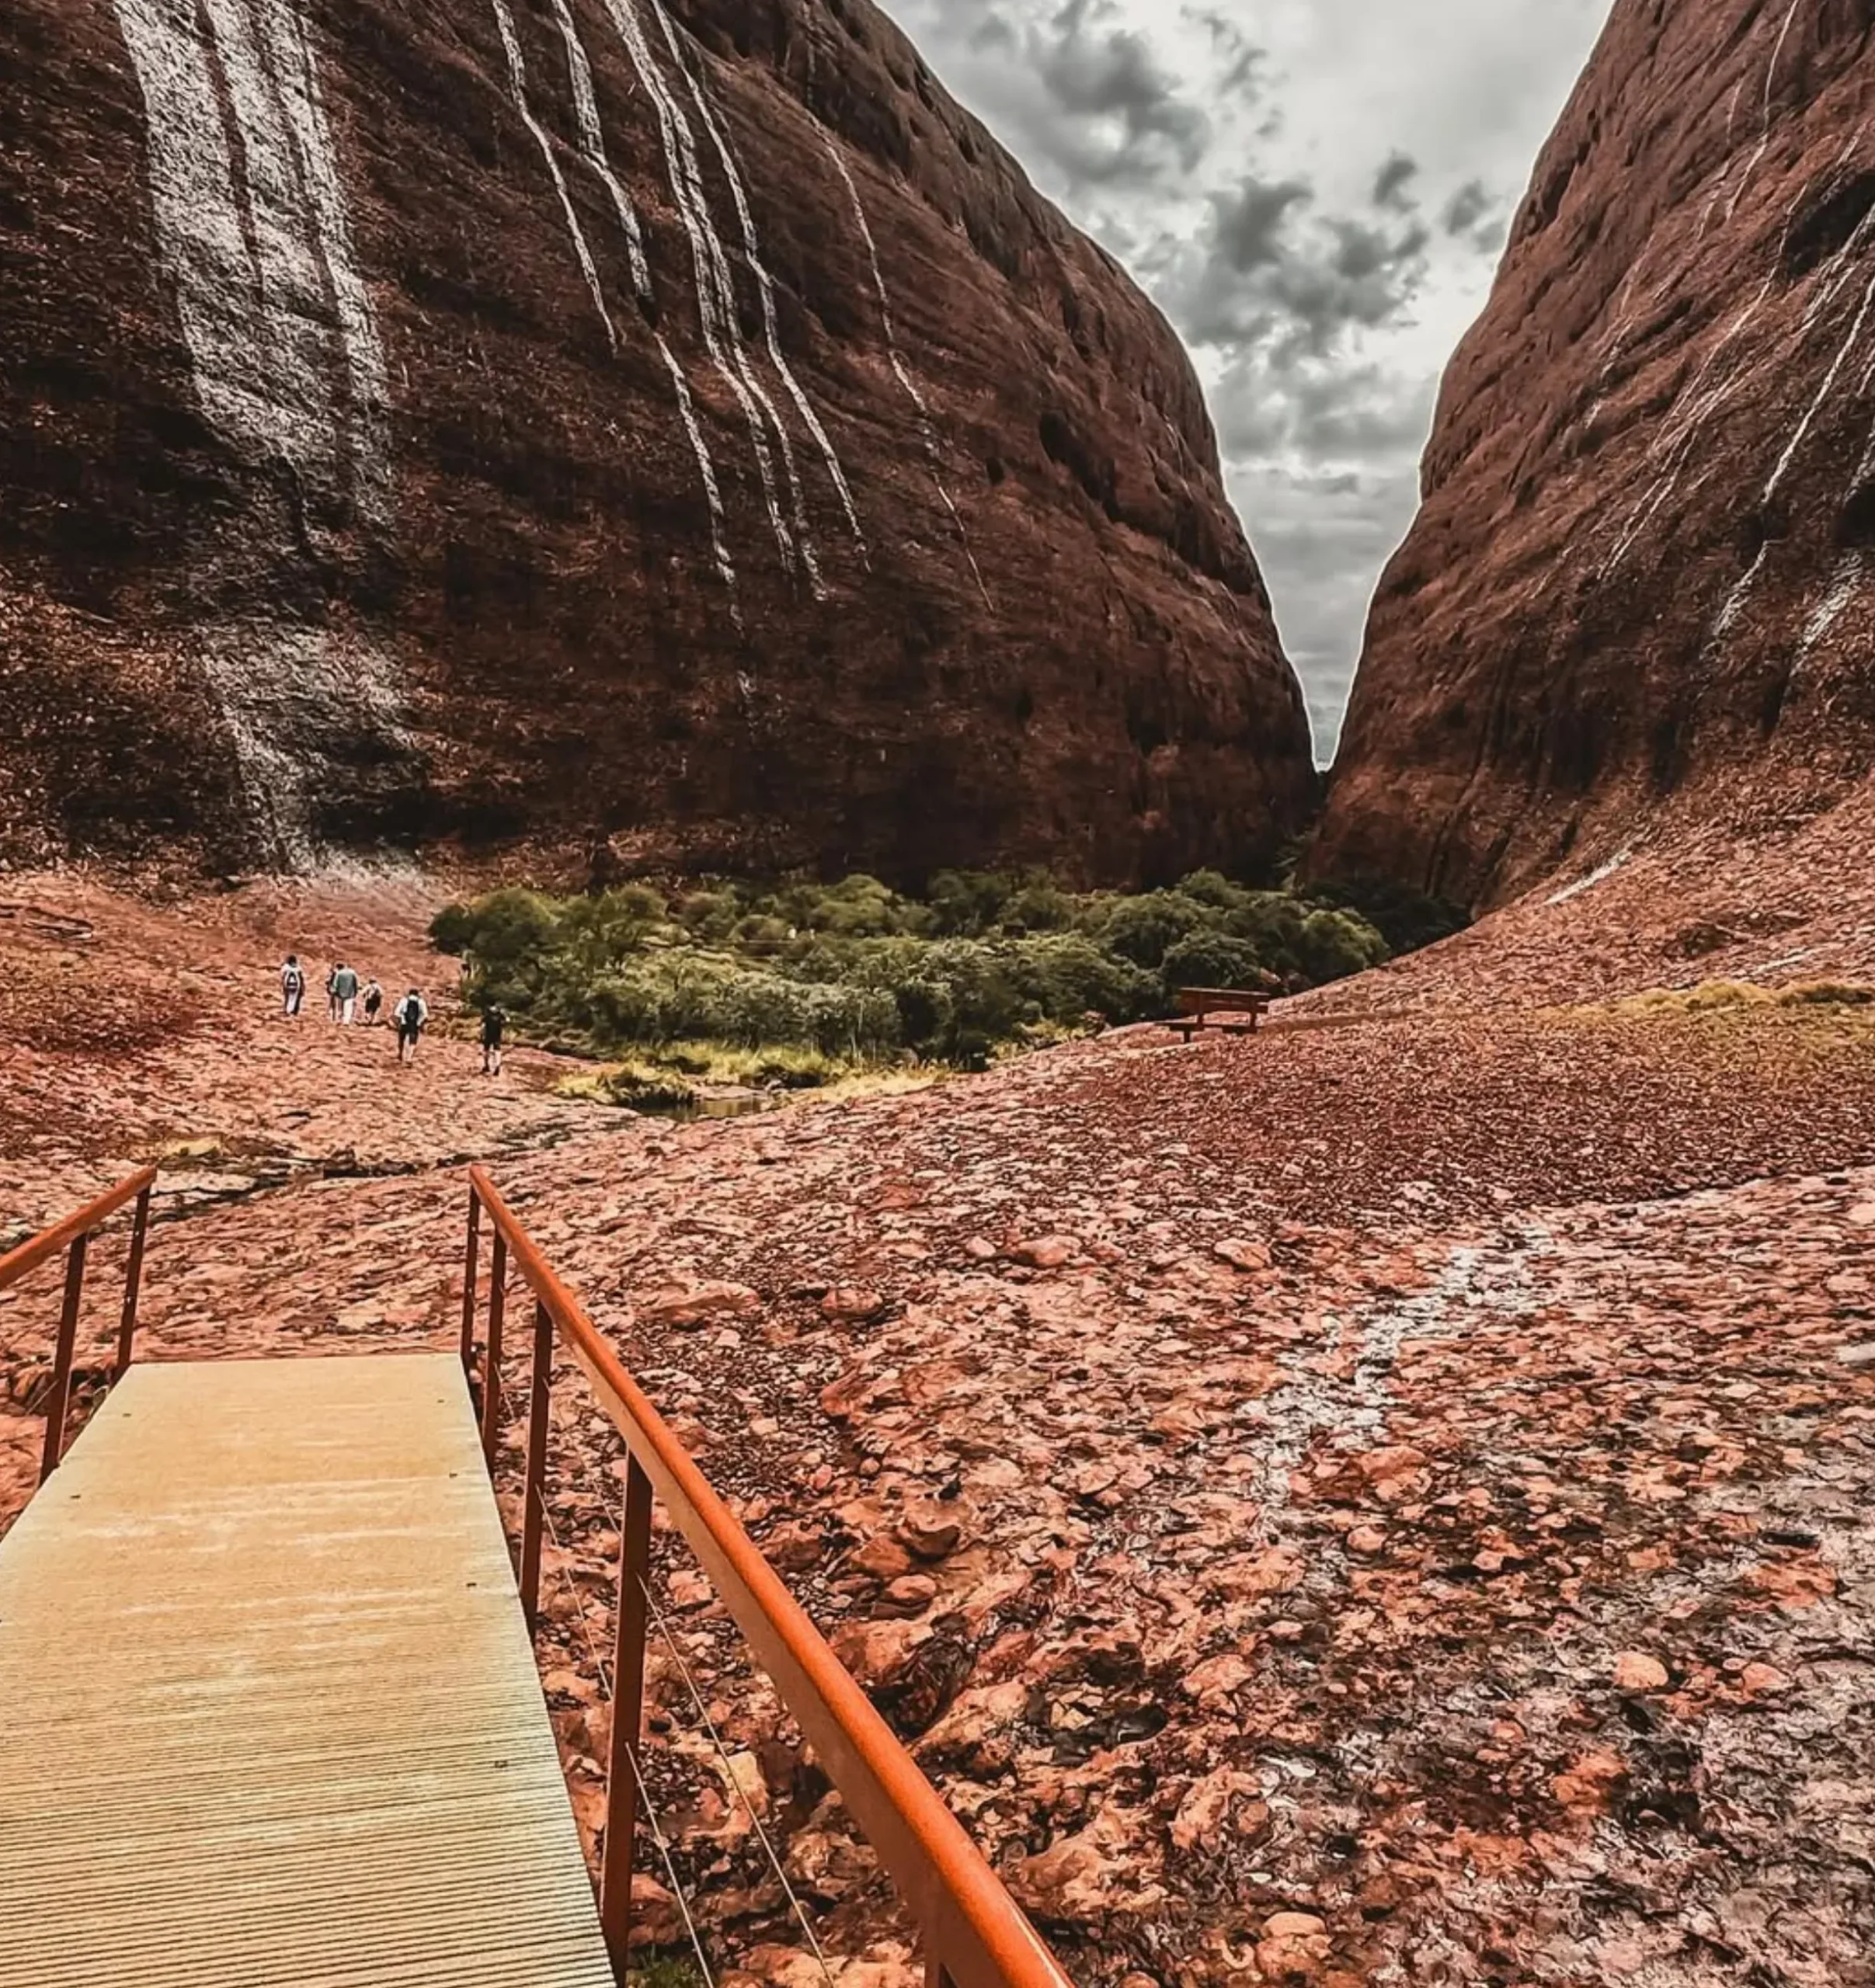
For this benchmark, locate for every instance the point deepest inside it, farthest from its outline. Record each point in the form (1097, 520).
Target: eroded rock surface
(1637, 599)
(671, 425)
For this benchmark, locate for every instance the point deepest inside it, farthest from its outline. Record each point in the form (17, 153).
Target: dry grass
(1720, 996)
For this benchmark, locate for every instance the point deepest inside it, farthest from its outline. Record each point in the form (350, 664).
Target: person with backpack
(331, 993)
(345, 992)
(374, 1002)
(292, 986)
(494, 1026)
(410, 1015)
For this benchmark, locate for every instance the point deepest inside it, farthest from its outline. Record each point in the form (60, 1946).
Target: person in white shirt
(410, 1015)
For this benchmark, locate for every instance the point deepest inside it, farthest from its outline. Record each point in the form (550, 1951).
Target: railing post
(62, 1358)
(491, 1370)
(534, 1512)
(628, 1719)
(132, 1286)
(470, 1257)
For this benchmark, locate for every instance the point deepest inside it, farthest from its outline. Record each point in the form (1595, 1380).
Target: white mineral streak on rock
(517, 76)
(593, 149)
(797, 499)
(246, 284)
(715, 290)
(1830, 378)
(592, 144)
(1680, 432)
(291, 694)
(1311, 1403)
(1584, 885)
(286, 356)
(688, 408)
(1845, 585)
(1764, 138)
(284, 33)
(917, 398)
(1733, 604)
(1725, 169)
(752, 250)
(1736, 600)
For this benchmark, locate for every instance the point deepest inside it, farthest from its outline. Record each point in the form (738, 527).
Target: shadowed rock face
(561, 422)
(1638, 598)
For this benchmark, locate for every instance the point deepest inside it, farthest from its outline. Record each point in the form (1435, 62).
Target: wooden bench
(1197, 1005)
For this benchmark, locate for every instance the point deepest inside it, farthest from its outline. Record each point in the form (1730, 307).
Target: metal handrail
(73, 1235)
(975, 1934)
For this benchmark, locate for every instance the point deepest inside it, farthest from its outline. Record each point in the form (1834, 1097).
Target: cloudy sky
(1317, 192)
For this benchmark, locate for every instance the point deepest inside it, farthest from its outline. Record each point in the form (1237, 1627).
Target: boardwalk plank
(270, 1713)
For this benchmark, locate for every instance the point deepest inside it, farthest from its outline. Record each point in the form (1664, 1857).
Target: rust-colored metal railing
(73, 1235)
(975, 1935)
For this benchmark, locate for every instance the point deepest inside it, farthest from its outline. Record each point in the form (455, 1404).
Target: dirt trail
(1391, 1503)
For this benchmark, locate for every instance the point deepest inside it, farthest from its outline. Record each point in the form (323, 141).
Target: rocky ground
(1383, 1502)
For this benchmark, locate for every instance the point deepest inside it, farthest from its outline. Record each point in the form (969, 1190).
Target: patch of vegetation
(1407, 919)
(802, 984)
(673, 1968)
(1716, 996)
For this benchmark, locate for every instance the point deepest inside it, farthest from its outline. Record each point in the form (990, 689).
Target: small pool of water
(695, 1109)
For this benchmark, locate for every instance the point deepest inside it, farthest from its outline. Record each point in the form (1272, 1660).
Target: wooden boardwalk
(268, 1715)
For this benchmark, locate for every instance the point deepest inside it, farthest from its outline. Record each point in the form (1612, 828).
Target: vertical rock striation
(1638, 598)
(668, 425)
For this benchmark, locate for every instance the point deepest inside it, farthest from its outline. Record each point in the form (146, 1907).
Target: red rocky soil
(667, 429)
(1395, 1501)
(1636, 601)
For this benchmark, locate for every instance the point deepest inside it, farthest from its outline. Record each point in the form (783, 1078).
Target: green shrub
(1067, 977)
(967, 903)
(510, 927)
(854, 974)
(1215, 959)
(1039, 906)
(451, 930)
(1407, 919)
(713, 916)
(1213, 890)
(1144, 929)
(1333, 944)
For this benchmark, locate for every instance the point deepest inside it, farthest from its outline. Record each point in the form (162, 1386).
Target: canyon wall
(1636, 602)
(668, 428)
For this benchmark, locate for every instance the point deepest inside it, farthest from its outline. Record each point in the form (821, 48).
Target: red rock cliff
(672, 422)
(1638, 595)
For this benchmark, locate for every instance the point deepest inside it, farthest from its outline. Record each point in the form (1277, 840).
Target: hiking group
(346, 990)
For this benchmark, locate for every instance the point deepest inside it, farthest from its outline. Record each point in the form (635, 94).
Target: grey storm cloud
(1095, 70)
(1472, 215)
(1392, 182)
(1240, 58)
(1079, 89)
(1271, 271)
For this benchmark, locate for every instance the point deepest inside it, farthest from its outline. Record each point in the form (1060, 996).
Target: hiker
(331, 993)
(494, 1025)
(410, 1015)
(292, 986)
(374, 1001)
(345, 993)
